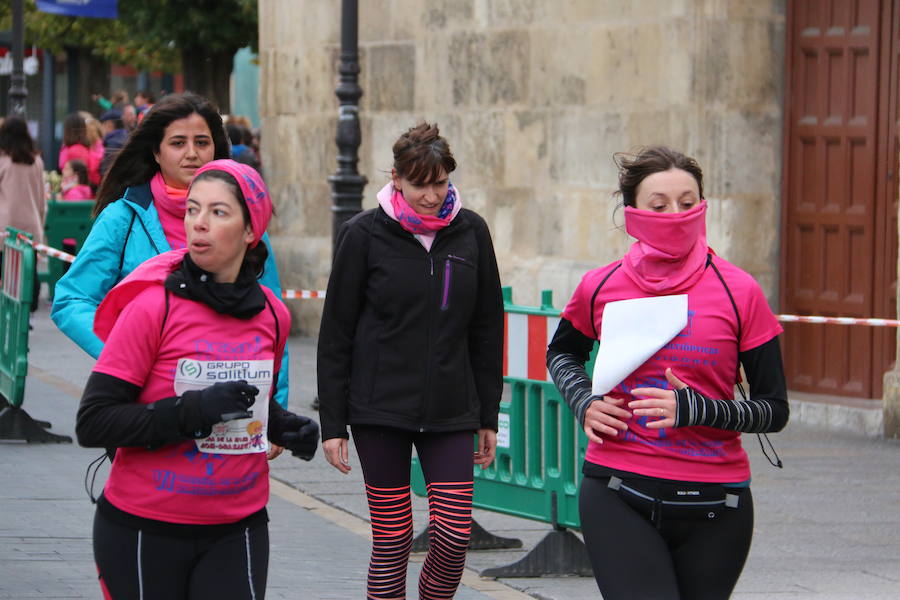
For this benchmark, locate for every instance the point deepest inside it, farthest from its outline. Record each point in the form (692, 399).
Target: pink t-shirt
(91, 158)
(177, 483)
(77, 193)
(704, 355)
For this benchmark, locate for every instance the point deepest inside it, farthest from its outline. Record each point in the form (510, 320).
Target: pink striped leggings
(446, 459)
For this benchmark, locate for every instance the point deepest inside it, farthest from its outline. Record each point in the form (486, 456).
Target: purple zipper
(445, 300)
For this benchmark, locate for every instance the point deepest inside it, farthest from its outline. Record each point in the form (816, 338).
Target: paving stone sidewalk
(827, 525)
(46, 516)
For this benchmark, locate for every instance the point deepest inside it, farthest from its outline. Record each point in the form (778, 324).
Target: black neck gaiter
(242, 299)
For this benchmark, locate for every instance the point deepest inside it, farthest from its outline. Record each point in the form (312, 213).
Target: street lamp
(17, 91)
(347, 184)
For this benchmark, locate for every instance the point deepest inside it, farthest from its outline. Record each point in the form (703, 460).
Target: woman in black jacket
(410, 352)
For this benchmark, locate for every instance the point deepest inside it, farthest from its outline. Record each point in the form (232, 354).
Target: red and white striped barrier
(12, 267)
(527, 335)
(839, 321)
(525, 339)
(42, 248)
(302, 294)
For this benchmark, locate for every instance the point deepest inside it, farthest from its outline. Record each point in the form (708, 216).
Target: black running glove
(296, 433)
(223, 401)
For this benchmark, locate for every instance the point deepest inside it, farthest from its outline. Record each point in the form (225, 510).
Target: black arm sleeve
(765, 411)
(344, 302)
(486, 330)
(109, 415)
(566, 355)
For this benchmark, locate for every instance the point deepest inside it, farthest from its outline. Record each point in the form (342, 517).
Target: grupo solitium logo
(191, 368)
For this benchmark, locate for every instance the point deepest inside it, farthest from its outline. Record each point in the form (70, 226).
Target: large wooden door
(888, 182)
(839, 236)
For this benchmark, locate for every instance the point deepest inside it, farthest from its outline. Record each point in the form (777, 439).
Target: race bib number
(240, 436)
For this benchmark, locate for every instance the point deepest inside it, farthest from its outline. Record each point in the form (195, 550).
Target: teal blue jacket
(125, 234)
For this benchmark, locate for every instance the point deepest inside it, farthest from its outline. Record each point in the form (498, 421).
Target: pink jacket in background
(23, 204)
(89, 156)
(77, 193)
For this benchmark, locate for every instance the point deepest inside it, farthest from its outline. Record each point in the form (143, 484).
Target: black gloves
(223, 401)
(296, 433)
(199, 410)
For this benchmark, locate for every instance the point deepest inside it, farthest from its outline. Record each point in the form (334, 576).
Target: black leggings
(447, 460)
(138, 565)
(682, 560)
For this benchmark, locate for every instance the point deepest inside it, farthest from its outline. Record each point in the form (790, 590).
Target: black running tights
(137, 565)
(683, 560)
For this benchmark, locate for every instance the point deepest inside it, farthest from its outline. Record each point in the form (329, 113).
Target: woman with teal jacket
(140, 214)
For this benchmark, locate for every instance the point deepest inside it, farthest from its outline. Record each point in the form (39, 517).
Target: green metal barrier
(65, 220)
(540, 449)
(15, 304)
(16, 282)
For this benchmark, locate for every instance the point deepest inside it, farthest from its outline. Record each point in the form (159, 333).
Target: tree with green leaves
(197, 37)
(205, 33)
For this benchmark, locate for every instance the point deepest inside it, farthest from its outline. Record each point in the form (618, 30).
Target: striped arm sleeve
(765, 411)
(566, 355)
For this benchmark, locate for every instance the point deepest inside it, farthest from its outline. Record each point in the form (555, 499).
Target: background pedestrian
(23, 202)
(140, 212)
(74, 183)
(79, 143)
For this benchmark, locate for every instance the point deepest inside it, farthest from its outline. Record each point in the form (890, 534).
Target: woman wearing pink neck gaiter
(410, 354)
(665, 503)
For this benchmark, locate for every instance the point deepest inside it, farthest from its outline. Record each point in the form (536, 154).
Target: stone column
(891, 393)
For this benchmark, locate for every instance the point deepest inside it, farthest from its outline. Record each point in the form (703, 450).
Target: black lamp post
(17, 91)
(347, 184)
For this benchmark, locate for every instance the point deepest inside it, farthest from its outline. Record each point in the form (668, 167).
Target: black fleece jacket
(410, 338)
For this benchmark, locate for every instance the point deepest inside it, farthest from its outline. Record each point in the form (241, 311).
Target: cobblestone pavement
(827, 525)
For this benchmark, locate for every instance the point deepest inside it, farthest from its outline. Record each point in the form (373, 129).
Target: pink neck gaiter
(669, 255)
(170, 206)
(415, 223)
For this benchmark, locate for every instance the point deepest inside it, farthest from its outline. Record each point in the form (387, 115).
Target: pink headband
(256, 195)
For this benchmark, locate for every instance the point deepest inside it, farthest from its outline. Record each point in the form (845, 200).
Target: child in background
(80, 142)
(74, 184)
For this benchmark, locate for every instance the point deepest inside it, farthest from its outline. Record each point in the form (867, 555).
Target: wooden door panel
(859, 187)
(830, 191)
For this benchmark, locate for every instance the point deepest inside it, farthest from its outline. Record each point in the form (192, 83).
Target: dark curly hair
(634, 168)
(134, 164)
(421, 153)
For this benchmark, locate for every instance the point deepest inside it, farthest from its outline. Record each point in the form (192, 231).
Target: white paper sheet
(633, 331)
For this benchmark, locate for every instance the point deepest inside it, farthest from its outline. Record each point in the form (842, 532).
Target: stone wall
(534, 97)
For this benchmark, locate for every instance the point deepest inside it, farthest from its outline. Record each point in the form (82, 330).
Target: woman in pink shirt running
(184, 390)
(665, 502)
